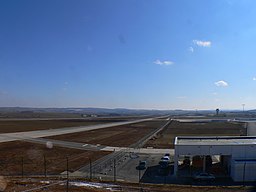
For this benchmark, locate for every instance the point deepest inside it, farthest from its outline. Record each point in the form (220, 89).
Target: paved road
(90, 147)
(250, 125)
(251, 128)
(6, 137)
(103, 165)
(128, 171)
(202, 120)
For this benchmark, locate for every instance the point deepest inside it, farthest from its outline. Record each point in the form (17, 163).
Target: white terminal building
(238, 154)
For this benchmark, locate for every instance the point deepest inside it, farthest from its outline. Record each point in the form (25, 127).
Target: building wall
(231, 153)
(243, 171)
(236, 151)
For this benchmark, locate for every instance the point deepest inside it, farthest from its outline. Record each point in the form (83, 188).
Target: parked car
(165, 158)
(204, 177)
(142, 165)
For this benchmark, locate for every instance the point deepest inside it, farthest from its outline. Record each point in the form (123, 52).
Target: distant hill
(100, 111)
(82, 112)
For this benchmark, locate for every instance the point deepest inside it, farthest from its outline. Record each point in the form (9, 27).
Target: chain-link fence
(117, 166)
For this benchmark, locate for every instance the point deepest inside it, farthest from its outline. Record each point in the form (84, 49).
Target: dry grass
(11, 155)
(16, 184)
(165, 139)
(120, 136)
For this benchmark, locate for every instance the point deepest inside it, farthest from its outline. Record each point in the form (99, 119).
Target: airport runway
(6, 137)
(50, 143)
(251, 128)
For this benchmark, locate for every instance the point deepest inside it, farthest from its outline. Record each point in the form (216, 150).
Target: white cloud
(215, 93)
(191, 49)
(221, 83)
(254, 78)
(202, 43)
(158, 62)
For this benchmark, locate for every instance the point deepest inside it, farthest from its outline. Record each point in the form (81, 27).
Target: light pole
(45, 173)
(114, 170)
(67, 175)
(22, 166)
(90, 167)
(139, 175)
(244, 173)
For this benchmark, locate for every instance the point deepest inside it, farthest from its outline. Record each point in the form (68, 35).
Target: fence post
(67, 175)
(139, 175)
(114, 170)
(90, 168)
(45, 166)
(22, 166)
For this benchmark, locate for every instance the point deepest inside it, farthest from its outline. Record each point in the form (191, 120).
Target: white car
(204, 177)
(166, 158)
(164, 162)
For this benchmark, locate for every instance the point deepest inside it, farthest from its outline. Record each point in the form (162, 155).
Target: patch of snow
(94, 185)
(45, 182)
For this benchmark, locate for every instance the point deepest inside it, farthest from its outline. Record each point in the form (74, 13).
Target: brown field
(30, 114)
(26, 184)
(165, 139)
(13, 153)
(120, 136)
(9, 126)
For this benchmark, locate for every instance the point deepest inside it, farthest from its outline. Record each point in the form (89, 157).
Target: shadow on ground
(156, 174)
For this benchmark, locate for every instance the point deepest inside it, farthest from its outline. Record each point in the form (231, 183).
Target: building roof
(218, 140)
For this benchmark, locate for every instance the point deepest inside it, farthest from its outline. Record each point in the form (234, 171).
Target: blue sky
(175, 54)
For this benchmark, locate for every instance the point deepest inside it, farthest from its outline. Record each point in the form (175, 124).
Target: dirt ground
(9, 126)
(32, 159)
(120, 136)
(10, 185)
(165, 139)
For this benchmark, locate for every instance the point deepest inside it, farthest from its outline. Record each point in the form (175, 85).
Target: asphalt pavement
(6, 137)
(251, 128)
